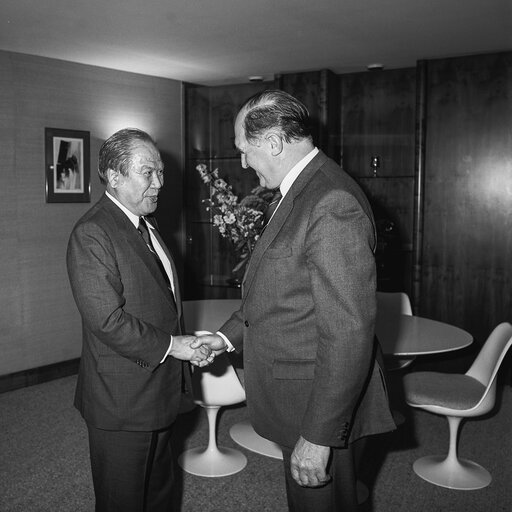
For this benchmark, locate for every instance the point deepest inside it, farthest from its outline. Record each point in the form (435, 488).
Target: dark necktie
(271, 208)
(143, 230)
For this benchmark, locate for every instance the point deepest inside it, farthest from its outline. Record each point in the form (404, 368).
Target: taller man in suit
(124, 283)
(313, 381)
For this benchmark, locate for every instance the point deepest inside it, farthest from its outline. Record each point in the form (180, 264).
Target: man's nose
(157, 180)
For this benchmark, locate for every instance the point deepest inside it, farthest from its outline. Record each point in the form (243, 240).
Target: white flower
(230, 218)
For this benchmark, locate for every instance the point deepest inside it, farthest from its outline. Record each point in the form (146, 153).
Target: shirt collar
(134, 219)
(294, 172)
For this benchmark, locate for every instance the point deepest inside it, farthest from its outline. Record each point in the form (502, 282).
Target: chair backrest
(488, 361)
(217, 384)
(486, 365)
(393, 303)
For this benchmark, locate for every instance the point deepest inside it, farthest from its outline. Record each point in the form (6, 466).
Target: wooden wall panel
(319, 91)
(393, 198)
(39, 323)
(467, 274)
(378, 119)
(378, 116)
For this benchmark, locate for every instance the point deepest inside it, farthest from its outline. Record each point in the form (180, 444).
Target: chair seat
(244, 434)
(453, 391)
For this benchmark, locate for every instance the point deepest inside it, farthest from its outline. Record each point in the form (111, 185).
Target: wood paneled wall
(451, 119)
(39, 323)
(467, 249)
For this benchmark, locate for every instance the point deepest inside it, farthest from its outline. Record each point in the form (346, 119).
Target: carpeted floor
(44, 464)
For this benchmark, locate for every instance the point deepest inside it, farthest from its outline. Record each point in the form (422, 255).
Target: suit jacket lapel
(280, 216)
(136, 242)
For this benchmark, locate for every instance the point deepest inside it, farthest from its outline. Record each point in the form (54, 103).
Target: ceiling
(214, 42)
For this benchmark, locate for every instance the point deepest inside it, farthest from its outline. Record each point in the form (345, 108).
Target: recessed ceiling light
(376, 66)
(256, 78)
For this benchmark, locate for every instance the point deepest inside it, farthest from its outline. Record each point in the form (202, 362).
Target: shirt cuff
(228, 343)
(168, 352)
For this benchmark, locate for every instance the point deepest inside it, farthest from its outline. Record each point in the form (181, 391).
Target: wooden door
(467, 250)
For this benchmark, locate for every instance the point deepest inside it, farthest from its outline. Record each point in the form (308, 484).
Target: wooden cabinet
(378, 121)
(209, 117)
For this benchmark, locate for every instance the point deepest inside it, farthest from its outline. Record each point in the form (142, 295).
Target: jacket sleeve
(234, 331)
(340, 240)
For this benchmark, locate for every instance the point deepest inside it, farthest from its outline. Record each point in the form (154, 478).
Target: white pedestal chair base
(463, 475)
(244, 435)
(213, 460)
(219, 462)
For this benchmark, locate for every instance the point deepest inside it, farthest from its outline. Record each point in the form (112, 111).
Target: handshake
(199, 349)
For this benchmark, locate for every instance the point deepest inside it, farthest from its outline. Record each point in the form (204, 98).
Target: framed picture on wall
(68, 178)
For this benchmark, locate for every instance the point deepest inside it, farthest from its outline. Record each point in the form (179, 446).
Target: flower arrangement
(238, 221)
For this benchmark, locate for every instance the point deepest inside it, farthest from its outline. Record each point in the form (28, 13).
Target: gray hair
(116, 151)
(278, 110)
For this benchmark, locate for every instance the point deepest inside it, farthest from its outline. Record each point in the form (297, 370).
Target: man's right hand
(213, 341)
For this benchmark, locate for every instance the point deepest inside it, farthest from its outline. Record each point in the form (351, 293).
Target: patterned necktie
(143, 230)
(271, 208)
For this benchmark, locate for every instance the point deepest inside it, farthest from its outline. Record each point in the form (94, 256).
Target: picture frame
(67, 159)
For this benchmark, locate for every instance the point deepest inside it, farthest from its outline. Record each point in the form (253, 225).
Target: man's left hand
(309, 462)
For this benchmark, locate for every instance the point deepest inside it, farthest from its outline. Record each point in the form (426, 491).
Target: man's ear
(276, 143)
(113, 178)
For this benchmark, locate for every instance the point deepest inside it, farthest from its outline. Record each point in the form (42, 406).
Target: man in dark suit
(313, 380)
(124, 283)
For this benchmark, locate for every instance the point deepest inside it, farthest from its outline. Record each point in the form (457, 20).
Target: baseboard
(39, 375)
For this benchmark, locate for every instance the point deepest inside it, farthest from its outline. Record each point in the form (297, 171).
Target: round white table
(408, 335)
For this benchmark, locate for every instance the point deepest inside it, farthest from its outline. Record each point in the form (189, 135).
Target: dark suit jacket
(306, 323)
(128, 315)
